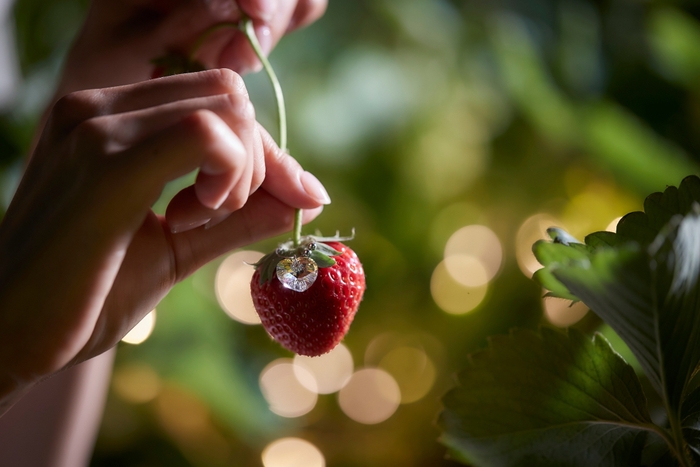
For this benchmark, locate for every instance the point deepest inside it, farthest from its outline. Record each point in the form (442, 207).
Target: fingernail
(314, 188)
(216, 221)
(178, 227)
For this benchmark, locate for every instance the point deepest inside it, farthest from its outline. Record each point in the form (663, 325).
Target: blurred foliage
(542, 397)
(420, 117)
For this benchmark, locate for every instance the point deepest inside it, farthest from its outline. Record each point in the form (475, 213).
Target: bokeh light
(281, 387)
(563, 313)
(292, 452)
(371, 396)
(186, 419)
(142, 330)
(534, 228)
(467, 270)
(473, 255)
(593, 205)
(612, 226)
(181, 413)
(451, 296)
(450, 219)
(232, 286)
(136, 383)
(330, 371)
(413, 371)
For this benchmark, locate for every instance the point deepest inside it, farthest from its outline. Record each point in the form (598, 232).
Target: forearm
(55, 424)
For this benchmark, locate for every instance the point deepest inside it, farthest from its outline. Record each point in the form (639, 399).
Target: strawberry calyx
(311, 252)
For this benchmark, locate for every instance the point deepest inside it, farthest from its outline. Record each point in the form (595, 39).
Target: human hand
(119, 39)
(82, 256)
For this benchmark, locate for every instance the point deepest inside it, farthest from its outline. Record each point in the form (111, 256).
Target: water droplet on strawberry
(297, 273)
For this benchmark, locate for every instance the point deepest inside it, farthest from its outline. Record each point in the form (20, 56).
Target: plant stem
(678, 448)
(296, 238)
(249, 30)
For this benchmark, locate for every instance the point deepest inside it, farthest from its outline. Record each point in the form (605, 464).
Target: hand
(120, 38)
(82, 256)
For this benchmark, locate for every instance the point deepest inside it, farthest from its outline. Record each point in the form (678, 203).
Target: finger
(306, 12)
(134, 178)
(239, 56)
(284, 178)
(262, 217)
(225, 176)
(235, 110)
(287, 180)
(239, 189)
(74, 108)
(263, 10)
(221, 176)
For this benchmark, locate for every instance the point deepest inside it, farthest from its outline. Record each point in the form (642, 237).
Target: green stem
(296, 238)
(249, 30)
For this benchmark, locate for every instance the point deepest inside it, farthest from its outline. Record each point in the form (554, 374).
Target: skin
(82, 256)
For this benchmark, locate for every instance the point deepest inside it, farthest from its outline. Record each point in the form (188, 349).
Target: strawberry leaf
(322, 260)
(326, 250)
(268, 266)
(548, 399)
(644, 282)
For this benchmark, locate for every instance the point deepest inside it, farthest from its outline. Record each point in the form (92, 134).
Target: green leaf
(643, 227)
(644, 282)
(268, 266)
(614, 275)
(650, 298)
(554, 254)
(322, 261)
(326, 250)
(690, 422)
(547, 399)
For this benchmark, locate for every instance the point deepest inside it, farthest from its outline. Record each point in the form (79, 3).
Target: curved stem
(249, 30)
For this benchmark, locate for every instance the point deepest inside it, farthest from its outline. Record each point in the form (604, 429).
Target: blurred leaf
(547, 399)
(529, 82)
(675, 40)
(618, 140)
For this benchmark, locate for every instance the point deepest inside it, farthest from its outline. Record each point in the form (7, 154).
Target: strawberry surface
(312, 322)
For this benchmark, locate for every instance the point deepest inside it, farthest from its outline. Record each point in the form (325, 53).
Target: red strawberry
(313, 321)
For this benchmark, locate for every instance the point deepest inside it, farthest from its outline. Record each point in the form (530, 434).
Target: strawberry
(310, 309)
